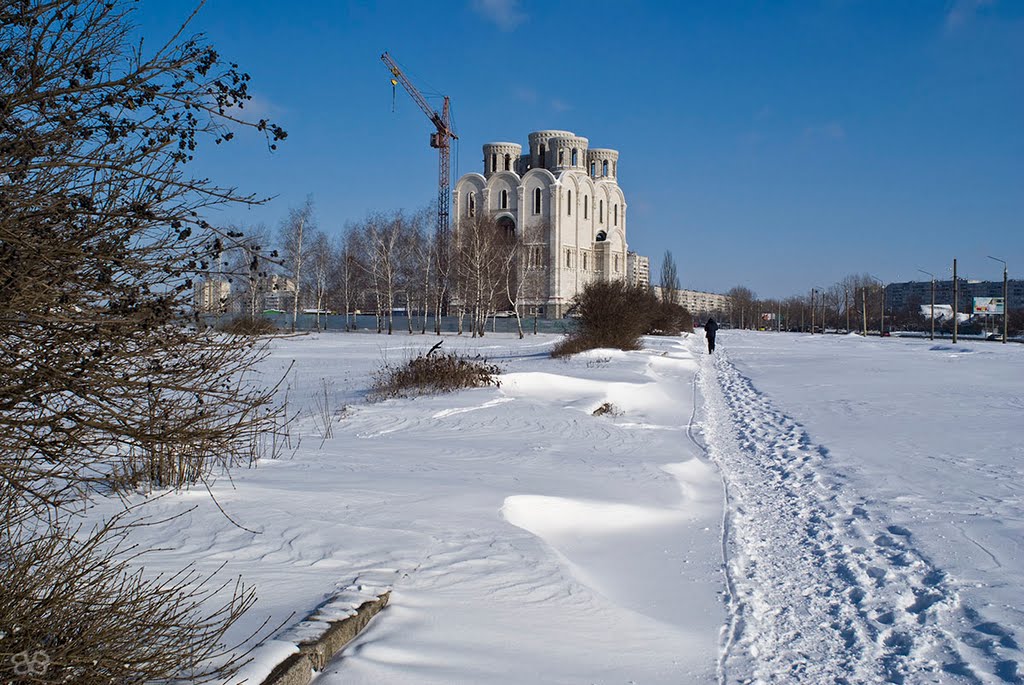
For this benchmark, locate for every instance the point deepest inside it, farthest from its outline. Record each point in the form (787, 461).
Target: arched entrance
(508, 225)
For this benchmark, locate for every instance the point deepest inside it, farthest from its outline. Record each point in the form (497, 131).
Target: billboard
(988, 305)
(768, 316)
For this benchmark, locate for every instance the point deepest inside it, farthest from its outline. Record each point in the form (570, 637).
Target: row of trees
(856, 303)
(388, 262)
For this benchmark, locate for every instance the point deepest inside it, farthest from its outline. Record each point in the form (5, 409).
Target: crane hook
(394, 83)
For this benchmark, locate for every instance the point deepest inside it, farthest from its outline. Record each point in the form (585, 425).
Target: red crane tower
(441, 139)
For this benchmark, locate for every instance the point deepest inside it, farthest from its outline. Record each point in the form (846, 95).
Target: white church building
(564, 198)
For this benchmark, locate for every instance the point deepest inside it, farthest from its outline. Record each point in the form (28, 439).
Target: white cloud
(505, 14)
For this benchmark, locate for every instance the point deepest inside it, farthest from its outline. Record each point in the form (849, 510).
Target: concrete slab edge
(315, 654)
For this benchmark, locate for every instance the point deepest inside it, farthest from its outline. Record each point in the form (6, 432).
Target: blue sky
(776, 145)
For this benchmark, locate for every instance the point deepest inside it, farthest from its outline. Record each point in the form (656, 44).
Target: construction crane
(441, 139)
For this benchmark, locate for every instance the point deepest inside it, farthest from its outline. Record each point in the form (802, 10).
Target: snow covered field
(871, 514)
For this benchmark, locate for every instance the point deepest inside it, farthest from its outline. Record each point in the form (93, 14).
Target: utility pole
(812, 311)
(864, 308)
(933, 300)
(846, 306)
(1006, 301)
(881, 320)
(956, 300)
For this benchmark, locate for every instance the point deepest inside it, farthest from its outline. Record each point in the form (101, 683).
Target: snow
(864, 494)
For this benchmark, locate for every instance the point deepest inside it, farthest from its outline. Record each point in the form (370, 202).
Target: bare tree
(295, 235)
(320, 259)
(669, 278)
(524, 269)
(248, 263)
(105, 386)
(347, 272)
(481, 253)
(741, 306)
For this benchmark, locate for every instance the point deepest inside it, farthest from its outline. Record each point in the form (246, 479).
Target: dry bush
(669, 318)
(617, 315)
(247, 325)
(610, 314)
(607, 408)
(432, 373)
(101, 235)
(104, 382)
(72, 610)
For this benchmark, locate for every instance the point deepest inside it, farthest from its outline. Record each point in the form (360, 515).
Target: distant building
(638, 270)
(211, 295)
(699, 302)
(564, 197)
(899, 296)
(278, 293)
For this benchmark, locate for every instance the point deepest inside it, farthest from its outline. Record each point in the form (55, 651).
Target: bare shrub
(72, 610)
(248, 325)
(669, 318)
(617, 315)
(323, 415)
(610, 314)
(101, 234)
(432, 373)
(607, 408)
(105, 384)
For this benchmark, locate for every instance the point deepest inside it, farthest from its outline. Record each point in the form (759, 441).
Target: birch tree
(294, 239)
(319, 261)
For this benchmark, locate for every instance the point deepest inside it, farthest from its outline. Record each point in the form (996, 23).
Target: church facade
(563, 199)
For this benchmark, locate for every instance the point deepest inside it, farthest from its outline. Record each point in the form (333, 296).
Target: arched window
(586, 203)
(471, 204)
(584, 261)
(494, 161)
(616, 263)
(575, 157)
(568, 259)
(604, 168)
(568, 204)
(616, 214)
(600, 211)
(561, 156)
(614, 164)
(536, 200)
(542, 160)
(508, 162)
(593, 169)
(503, 200)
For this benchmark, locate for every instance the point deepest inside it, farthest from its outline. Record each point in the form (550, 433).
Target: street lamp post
(1006, 303)
(956, 302)
(933, 300)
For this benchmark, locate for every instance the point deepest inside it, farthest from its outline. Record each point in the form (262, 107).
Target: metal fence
(363, 322)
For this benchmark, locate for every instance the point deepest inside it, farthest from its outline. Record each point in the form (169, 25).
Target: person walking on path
(710, 328)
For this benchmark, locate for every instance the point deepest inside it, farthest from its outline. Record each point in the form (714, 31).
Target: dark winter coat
(710, 328)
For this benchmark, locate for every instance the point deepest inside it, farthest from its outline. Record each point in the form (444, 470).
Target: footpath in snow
(839, 561)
